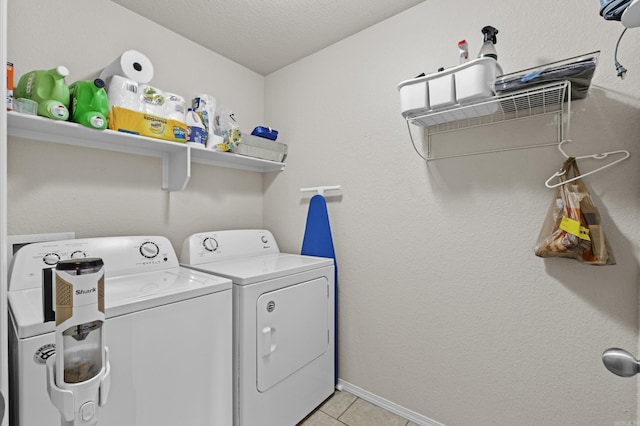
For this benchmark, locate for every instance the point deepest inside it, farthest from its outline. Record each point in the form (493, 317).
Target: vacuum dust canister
(78, 375)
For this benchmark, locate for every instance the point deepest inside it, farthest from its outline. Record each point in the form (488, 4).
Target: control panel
(215, 246)
(121, 256)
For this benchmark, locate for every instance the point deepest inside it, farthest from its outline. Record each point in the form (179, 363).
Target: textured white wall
(444, 309)
(54, 187)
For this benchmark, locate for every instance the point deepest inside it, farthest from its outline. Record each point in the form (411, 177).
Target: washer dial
(78, 254)
(51, 259)
(210, 244)
(149, 249)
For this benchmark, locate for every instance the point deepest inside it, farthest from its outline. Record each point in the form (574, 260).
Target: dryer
(168, 330)
(283, 323)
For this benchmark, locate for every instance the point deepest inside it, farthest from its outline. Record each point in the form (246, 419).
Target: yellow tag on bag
(573, 227)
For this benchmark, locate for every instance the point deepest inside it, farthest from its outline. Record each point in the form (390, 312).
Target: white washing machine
(283, 323)
(168, 330)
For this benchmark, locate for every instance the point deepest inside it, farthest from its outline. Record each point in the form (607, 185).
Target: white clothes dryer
(283, 323)
(168, 330)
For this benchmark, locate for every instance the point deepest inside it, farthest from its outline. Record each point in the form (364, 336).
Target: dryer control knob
(210, 244)
(51, 258)
(149, 249)
(78, 254)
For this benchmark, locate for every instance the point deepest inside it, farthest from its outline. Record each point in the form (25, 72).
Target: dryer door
(292, 330)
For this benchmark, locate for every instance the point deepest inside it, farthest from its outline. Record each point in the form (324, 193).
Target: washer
(168, 330)
(283, 323)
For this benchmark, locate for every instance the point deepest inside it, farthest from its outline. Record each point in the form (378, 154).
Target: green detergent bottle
(89, 103)
(48, 89)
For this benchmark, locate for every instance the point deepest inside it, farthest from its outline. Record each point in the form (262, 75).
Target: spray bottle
(488, 49)
(48, 89)
(463, 47)
(89, 103)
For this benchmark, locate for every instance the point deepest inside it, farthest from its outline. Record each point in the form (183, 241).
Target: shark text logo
(81, 291)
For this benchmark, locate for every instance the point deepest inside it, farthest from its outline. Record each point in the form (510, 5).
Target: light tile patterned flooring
(344, 408)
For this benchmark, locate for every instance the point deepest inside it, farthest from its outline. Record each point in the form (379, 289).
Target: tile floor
(344, 408)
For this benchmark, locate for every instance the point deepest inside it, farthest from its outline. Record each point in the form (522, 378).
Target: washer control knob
(149, 249)
(264, 239)
(51, 258)
(210, 244)
(78, 254)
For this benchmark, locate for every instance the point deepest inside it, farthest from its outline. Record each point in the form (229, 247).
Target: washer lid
(250, 270)
(123, 295)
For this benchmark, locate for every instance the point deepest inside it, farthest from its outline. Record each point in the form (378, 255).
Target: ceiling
(266, 35)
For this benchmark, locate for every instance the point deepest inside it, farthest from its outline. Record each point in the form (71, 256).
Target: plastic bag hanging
(572, 228)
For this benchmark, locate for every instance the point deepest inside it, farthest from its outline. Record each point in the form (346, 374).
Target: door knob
(620, 362)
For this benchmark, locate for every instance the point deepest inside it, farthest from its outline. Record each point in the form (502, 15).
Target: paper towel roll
(132, 65)
(123, 92)
(127, 93)
(153, 100)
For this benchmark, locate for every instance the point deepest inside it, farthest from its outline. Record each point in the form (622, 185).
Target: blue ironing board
(318, 242)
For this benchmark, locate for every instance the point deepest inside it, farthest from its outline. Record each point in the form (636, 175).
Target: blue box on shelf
(265, 132)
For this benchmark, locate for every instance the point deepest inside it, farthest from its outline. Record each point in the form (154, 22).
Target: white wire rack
(547, 99)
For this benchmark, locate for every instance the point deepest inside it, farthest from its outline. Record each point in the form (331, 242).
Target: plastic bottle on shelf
(488, 49)
(463, 46)
(89, 103)
(197, 131)
(48, 89)
(9, 86)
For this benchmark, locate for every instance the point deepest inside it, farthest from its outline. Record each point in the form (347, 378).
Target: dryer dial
(51, 259)
(149, 249)
(210, 244)
(78, 254)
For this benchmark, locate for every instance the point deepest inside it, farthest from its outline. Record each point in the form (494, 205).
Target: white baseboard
(387, 405)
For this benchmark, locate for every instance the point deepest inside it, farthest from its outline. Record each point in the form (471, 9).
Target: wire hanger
(600, 156)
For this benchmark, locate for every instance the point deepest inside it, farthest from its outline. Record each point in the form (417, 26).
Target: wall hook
(320, 189)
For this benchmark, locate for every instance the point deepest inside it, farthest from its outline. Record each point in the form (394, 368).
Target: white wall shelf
(176, 157)
(546, 99)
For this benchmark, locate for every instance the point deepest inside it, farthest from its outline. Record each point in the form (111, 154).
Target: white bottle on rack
(197, 132)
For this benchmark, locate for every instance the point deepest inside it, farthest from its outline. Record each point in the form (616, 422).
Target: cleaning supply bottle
(89, 103)
(9, 86)
(48, 89)
(197, 131)
(488, 49)
(463, 46)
